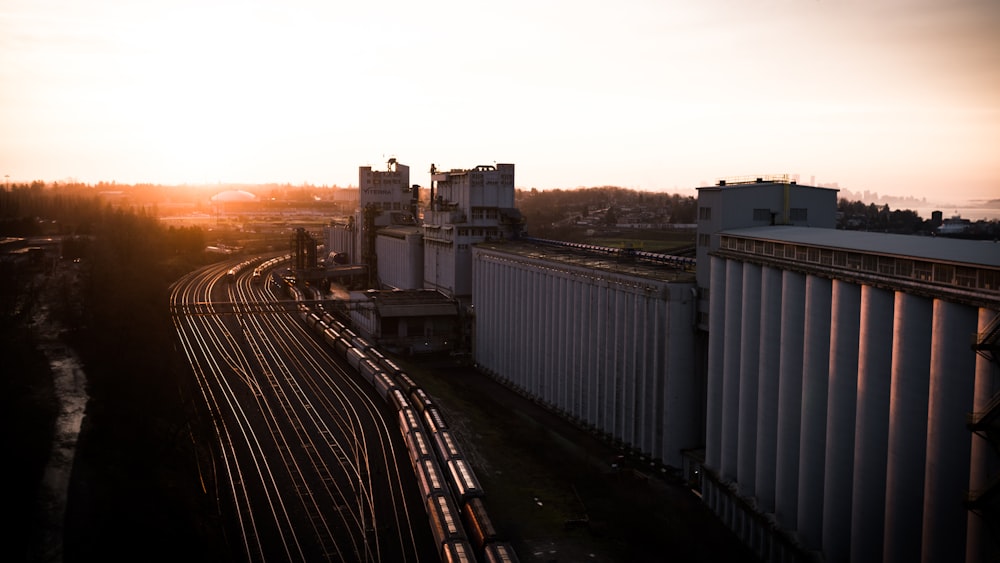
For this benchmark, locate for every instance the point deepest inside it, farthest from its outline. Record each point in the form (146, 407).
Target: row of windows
(919, 270)
(463, 232)
(760, 214)
(479, 213)
(389, 205)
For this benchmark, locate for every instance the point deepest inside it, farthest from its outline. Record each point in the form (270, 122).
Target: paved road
(553, 491)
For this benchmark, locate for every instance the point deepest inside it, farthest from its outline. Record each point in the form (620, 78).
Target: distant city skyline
(898, 98)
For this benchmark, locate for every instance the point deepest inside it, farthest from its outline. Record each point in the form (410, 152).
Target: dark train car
(457, 551)
(384, 385)
(463, 480)
(378, 357)
(361, 344)
(368, 370)
(354, 357)
(408, 421)
(478, 526)
(330, 336)
(446, 446)
(399, 400)
(421, 400)
(434, 419)
(342, 347)
(391, 367)
(500, 552)
(404, 381)
(444, 520)
(312, 320)
(430, 479)
(419, 447)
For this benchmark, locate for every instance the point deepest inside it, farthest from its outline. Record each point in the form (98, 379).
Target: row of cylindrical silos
(836, 414)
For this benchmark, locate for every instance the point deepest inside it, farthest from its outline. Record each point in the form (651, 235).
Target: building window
(762, 215)
(904, 268)
(944, 273)
(989, 280)
(798, 214)
(705, 213)
(922, 271)
(886, 266)
(703, 239)
(965, 277)
(869, 263)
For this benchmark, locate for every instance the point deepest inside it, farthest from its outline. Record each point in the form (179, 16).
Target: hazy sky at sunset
(898, 97)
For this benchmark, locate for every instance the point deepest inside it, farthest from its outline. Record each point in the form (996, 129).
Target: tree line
(134, 482)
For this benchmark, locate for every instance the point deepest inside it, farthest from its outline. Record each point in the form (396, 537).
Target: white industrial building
(755, 202)
(466, 207)
(385, 198)
(842, 370)
(400, 251)
(838, 389)
(604, 338)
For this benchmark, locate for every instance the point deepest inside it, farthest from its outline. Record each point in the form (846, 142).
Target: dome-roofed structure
(234, 196)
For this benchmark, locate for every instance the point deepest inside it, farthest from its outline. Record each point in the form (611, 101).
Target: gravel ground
(551, 489)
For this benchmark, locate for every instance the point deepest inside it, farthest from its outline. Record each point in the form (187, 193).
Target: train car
(446, 446)
(434, 419)
(377, 357)
(408, 421)
(464, 483)
(421, 400)
(368, 370)
(312, 319)
(384, 385)
(500, 552)
(231, 274)
(478, 526)
(444, 520)
(349, 334)
(398, 400)
(419, 447)
(404, 381)
(457, 551)
(330, 337)
(391, 367)
(361, 344)
(354, 357)
(429, 479)
(338, 326)
(341, 347)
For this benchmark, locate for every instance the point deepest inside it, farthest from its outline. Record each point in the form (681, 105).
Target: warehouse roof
(936, 249)
(611, 260)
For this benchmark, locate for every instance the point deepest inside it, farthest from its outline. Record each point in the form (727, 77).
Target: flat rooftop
(594, 259)
(935, 249)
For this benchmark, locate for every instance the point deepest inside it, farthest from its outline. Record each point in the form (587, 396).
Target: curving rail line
(307, 462)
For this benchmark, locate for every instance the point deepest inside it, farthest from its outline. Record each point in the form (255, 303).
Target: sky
(896, 97)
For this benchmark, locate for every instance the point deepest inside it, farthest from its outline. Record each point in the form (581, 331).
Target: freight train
(453, 497)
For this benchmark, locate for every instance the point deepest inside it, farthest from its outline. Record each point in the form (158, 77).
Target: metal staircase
(986, 424)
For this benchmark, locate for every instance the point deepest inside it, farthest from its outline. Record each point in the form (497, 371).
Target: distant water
(971, 213)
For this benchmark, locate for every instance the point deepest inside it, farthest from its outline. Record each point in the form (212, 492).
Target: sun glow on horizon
(656, 95)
